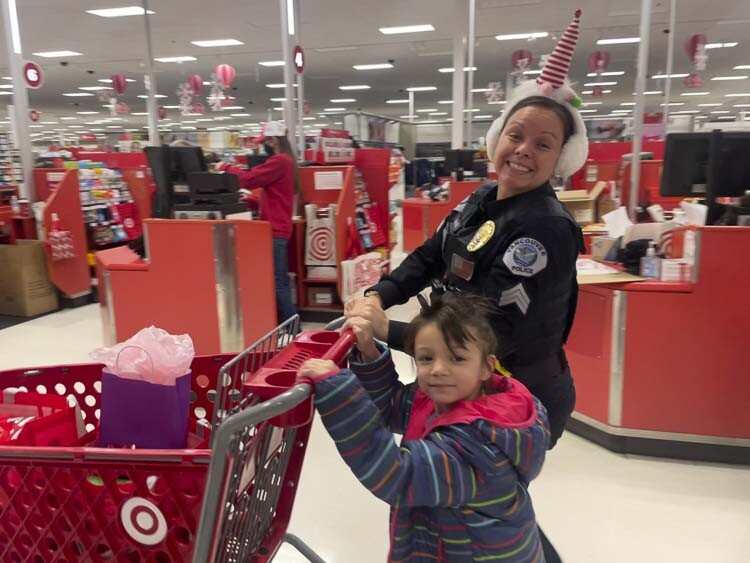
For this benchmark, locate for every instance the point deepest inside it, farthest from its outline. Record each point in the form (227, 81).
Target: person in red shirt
(278, 179)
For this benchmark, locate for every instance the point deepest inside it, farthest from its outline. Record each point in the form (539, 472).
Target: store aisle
(597, 507)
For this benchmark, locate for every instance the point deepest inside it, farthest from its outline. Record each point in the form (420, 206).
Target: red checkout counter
(662, 369)
(210, 279)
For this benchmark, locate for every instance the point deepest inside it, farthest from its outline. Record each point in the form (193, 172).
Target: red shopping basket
(102, 504)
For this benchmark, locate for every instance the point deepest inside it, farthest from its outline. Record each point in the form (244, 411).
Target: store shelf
(320, 280)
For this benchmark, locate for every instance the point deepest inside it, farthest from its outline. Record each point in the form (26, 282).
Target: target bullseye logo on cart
(321, 243)
(143, 521)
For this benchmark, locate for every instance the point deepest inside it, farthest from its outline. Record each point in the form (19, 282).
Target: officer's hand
(316, 368)
(363, 332)
(369, 308)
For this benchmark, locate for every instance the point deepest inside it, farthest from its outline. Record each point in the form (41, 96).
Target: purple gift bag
(144, 414)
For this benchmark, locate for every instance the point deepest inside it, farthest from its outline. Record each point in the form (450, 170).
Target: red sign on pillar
(32, 74)
(34, 115)
(299, 59)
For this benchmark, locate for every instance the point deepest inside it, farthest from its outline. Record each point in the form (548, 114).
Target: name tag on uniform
(462, 267)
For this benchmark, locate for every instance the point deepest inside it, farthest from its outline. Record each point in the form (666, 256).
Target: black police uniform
(520, 252)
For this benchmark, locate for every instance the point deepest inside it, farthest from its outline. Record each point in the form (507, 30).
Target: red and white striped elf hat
(556, 68)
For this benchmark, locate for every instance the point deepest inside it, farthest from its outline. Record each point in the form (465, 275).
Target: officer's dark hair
(566, 118)
(460, 318)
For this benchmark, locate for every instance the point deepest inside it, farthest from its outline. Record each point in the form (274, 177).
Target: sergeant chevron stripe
(516, 295)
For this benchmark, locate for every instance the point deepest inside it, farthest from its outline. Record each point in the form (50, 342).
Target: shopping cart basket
(228, 497)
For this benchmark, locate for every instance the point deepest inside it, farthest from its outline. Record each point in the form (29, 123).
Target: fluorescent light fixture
(379, 66)
(55, 54)
(430, 110)
(238, 115)
(713, 105)
(139, 113)
(678, 75)
(610, 73)
(695, 94)
(36, 126)
(6, 93)
(587, 110)
(686, 111)
(77, 94)
(50, 122)
(276, 85)
(144, 96)
(421, 88)
(308, 119)
(674, 104)
(75, 126)
(600, 84)
(14, 29)
(406, 29)
(451, 69)
(619, 41)
(233, 107)
(290, 17)
(355, 87)
(172, 107)
(271, 63)
(532, 72)
(624, 103)
(741, 105)
(119, 12)
(334, 109)
(343, 100)
(497, 103)
(397, 101)
(94, 88)
(443, 101)
(480, 90)
(408, 116)
(483, 116)
(109, 80)
(738, 67)
(87, 112)
(532, 35)
(278, 99)
(7, 78)
(721, 111)
(738, 77)
(651, 93)
(591, 92)
(183, 59)
(68, 118)
(736, 95)
(6, 86)
(720, 45)
(439, 113)
(473, 110)
(217, 43)
(584, 104)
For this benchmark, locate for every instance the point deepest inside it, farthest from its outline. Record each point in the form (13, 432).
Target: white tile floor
(597, 507)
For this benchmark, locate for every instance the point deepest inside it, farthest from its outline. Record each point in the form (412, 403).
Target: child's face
(447, 378)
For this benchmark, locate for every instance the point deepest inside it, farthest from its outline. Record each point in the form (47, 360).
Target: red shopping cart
(228, 498)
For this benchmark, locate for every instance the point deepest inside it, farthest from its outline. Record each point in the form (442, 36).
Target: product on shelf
(11, 171)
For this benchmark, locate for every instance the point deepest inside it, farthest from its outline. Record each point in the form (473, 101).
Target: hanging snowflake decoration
(496, 92)
(216, 95)
(185, 95)
(108, 100)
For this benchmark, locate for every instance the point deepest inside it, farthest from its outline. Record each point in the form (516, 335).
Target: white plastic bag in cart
(151, 355)
(360, 273)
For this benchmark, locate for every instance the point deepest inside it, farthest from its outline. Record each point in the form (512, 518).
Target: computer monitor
(255, 160)
(459, 158)
(170, 167)
(685, 163)
(711, 165)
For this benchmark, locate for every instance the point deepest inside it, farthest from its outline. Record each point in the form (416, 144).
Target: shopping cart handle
(341, 347)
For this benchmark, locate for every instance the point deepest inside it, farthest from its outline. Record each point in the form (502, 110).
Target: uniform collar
(493, 206)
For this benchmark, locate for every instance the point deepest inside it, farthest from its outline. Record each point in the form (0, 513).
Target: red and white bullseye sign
(143, 521)
(32, 74)
(321, 243)
(34, 115)
(299, 59)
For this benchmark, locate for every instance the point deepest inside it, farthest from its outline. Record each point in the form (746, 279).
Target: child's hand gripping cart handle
(278, 378)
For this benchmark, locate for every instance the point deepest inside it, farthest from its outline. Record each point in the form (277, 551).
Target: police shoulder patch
(525, 257)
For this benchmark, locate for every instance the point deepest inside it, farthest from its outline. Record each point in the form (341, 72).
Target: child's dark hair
(460, 318)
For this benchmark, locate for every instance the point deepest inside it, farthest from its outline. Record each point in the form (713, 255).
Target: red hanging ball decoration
(162, 112)
(198, 108)
(226, 74)
(598, 61)
(119, 83)
(196, 84)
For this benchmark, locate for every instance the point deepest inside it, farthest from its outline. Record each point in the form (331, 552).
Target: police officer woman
(512, 241)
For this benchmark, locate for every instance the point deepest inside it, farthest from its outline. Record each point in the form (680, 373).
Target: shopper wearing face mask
(278, 178)
(512, 241)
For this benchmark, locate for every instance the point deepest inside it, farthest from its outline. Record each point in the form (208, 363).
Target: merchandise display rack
(11, 172)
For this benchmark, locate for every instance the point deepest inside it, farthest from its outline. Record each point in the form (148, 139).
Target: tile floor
(596, 507)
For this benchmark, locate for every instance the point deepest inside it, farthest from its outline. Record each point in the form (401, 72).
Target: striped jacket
(458, 483)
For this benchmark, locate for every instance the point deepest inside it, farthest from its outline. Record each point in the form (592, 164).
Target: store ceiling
(337, 35)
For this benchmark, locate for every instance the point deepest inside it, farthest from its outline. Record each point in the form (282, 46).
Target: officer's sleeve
(417, 270)
(539, 262)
